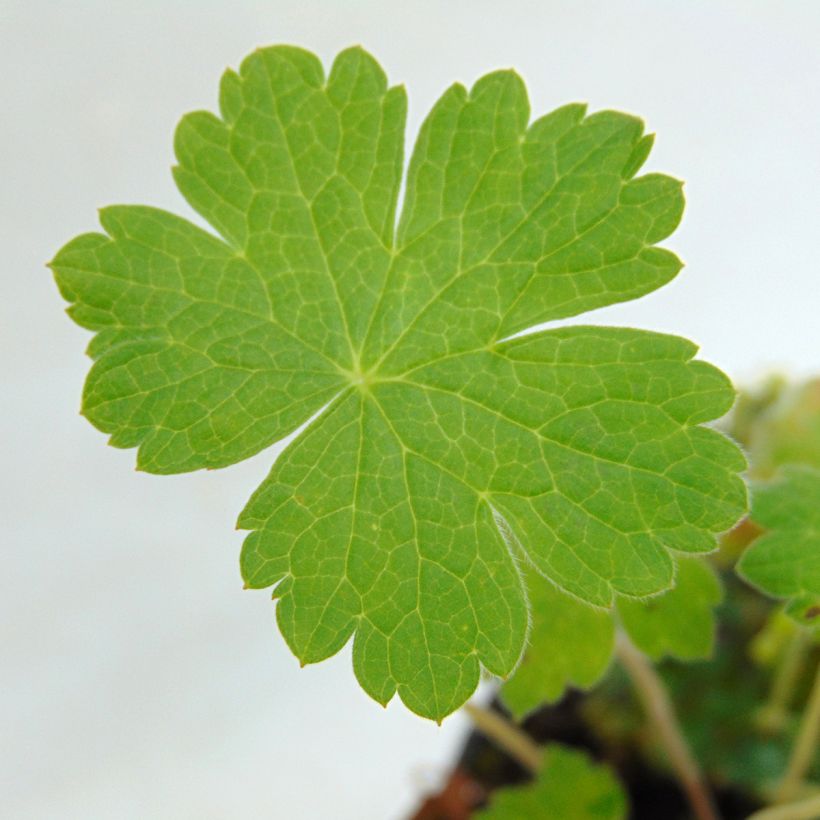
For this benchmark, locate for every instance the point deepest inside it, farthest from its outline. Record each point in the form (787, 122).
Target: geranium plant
(471, 488)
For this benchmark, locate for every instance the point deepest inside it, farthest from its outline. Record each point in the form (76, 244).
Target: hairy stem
(804, 747)
(506, 735)
(662, 716)
(808, 809)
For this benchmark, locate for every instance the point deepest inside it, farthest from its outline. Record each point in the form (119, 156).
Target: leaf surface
(569, 644)
(680, 622)
(569, 785)
(785, 561)
(438, 433)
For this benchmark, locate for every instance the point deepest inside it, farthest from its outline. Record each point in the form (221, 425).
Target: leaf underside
(440, 437)
(785, 561)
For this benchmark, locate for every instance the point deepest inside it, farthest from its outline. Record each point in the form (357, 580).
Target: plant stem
(506, 735)
(804, 747)
(808, 809)
(788, 669)
(662, 716)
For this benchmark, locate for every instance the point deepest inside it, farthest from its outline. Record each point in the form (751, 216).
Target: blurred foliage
(784, 562)
(778, 423)
(723, 703)
(569, 785)
(680, 622)
(569, 644)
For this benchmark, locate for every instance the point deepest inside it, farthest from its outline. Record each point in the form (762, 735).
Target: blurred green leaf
(680, 622)
(778, 423)
(785, 561)
(568, 787)
(569, 644)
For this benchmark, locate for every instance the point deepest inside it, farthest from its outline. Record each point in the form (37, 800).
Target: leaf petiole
(506, 735)
(804, 748)
(662, 716)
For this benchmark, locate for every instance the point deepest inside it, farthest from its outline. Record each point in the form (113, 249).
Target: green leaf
(383, 518)
(569, 785)
(569, 644)
(791, 432)
(785, 561)
(680, 622)
(779, 423)
(805, 609)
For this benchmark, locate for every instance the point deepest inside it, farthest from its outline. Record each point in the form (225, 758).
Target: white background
(137, 680)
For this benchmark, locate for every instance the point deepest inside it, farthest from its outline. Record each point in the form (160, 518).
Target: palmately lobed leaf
(440, 438)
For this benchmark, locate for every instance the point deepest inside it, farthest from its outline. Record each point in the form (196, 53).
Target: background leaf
(568, 786)
(680, 622)
(785, 561)
(786, 430)
(569, 644)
